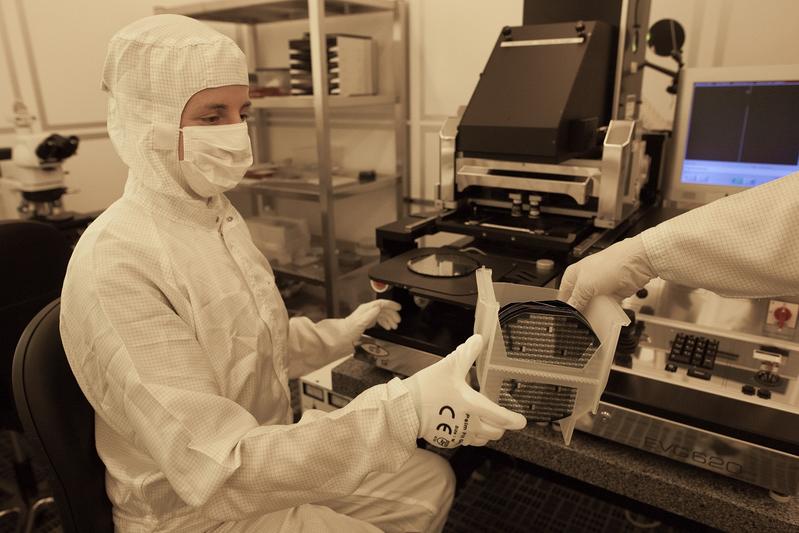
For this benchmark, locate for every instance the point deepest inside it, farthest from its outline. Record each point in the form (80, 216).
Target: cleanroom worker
(744, 246)
(179, 339)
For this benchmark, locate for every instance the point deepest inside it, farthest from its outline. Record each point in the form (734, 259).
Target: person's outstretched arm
(745, 245)
(313, 345)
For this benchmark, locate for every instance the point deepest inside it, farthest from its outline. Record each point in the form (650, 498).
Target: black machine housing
(547, 93)
(535, 105)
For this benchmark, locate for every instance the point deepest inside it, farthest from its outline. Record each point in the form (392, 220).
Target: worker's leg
(307, 518)
(416, 498)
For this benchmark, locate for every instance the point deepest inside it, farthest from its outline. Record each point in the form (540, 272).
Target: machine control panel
(696, 351)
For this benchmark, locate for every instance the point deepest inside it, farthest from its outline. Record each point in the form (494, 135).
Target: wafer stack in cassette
(351, 63)
(543, 358)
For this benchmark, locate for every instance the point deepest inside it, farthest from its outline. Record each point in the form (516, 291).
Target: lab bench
(677, 488)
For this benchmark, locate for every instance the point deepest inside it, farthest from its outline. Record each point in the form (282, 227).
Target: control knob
(782, 315)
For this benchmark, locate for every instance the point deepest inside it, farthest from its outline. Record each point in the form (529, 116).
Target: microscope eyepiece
(57, 148)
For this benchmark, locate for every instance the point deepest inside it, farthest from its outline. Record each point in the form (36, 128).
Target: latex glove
(451, 413)
(380, 311)
(618, 271)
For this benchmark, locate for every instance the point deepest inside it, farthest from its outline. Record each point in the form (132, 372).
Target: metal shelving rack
(255, 12)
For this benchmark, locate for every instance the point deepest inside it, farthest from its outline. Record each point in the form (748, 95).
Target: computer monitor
(735, 128)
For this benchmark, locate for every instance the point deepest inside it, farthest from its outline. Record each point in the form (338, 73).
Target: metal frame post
(316, 12)
(401, 130)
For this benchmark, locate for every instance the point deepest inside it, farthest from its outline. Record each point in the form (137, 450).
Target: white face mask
(215, 158)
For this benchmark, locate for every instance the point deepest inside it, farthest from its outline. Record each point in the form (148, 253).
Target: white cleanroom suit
(178, 337)
(745, 245)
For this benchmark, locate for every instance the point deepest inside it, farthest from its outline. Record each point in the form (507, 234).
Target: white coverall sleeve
(313, 345)
(745, 245)
(212, 451)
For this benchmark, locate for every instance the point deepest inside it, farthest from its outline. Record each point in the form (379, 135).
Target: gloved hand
(619, 271)
(380, 311)
(451, 413)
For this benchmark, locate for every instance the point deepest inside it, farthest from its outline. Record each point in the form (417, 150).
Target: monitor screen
(734, 128)
(741, 133)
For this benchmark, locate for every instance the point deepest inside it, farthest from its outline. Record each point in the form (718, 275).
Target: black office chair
(33, 261)
(59, 421)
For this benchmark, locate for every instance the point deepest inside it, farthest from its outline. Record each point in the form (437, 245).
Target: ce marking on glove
(443, 426)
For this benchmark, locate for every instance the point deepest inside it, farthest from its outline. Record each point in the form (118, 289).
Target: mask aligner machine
(536, 172)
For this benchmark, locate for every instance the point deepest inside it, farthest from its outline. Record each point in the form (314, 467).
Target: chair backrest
(33, 261)
(59, 421)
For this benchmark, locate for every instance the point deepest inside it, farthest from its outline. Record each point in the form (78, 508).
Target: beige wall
(56, 52)
(51, 54)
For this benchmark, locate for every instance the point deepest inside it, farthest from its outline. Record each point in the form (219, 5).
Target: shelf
(315, 273)
(263, 11)
(334, 101)
(304, 190)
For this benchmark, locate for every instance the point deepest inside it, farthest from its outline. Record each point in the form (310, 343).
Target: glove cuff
(350, 330)
(643, 263)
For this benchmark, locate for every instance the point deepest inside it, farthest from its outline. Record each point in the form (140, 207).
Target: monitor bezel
(691, 194)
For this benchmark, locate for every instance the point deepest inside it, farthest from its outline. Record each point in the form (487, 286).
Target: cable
(473, 249)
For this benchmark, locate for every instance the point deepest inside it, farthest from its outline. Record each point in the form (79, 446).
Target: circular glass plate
(443, 265)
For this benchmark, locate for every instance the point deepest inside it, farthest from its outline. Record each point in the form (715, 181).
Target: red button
(379, 286)
(782, 315)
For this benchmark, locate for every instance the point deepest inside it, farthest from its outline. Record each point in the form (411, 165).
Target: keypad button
(701, 374)
(749, 390)
(694, 350)
(764, 393)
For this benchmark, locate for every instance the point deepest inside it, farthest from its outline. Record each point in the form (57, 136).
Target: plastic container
(495, 368)
(270, 82)
(367, 250)
(280, 239)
